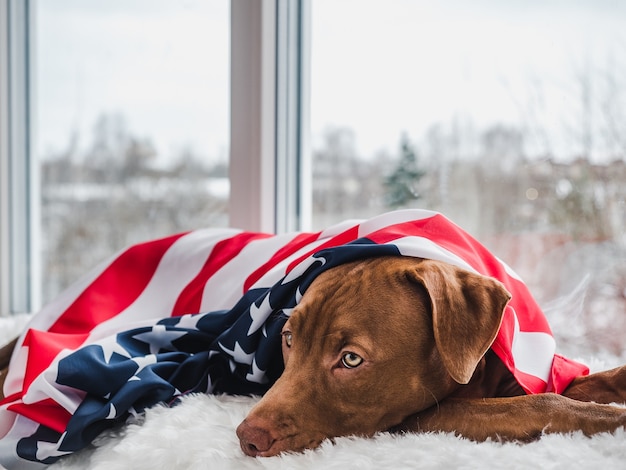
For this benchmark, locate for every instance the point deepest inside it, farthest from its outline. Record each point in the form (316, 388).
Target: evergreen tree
(401, 184)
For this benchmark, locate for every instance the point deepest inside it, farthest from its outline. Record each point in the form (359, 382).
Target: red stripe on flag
(289, 249)
(11, 398)
(190, 299)
(43, 347)
(115, 289)
(562, 373)
(344, 237)
(46, 412)
(503, 343)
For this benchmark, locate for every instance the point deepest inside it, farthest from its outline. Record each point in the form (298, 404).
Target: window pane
(132, 125)
(508, 117)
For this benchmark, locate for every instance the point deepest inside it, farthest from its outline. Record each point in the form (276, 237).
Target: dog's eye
(288, 338)
(351, 360)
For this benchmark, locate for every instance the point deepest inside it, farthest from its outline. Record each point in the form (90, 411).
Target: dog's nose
(254, 440)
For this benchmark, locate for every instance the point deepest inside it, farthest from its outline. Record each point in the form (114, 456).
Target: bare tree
(111, 196)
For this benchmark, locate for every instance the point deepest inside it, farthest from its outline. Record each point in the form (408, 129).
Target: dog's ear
(467, 311)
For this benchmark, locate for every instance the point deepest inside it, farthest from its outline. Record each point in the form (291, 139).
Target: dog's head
(371, 343)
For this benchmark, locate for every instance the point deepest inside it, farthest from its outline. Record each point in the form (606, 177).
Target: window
(132, 113)
(107, 114)
(508, 117)
(17, 180)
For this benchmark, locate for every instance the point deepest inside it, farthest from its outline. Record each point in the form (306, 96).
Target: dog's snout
(254, 439)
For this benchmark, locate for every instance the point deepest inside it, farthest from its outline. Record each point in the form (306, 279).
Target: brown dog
(403, 344)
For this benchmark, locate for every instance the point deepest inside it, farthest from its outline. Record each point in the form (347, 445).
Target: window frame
(270, 173)
(19, 188)
(269, 156)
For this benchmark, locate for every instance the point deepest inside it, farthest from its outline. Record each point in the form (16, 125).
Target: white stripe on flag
(225, 288)
(393, 218)
(421, 247)
(15, 376)
(509, 270)
(277, 272)
(533, 352)
(20, 426)
(339, 228)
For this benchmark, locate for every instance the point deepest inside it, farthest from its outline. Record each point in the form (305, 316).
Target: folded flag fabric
(129, 334)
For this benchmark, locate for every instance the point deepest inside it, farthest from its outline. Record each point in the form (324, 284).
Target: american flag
(128, 335)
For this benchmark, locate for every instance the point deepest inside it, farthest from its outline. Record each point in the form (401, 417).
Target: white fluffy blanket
(200, 434)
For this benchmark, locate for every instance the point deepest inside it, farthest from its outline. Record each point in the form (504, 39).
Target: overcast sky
(380, 67)
(162, 64)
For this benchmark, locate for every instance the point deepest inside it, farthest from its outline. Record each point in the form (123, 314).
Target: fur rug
(199, 433)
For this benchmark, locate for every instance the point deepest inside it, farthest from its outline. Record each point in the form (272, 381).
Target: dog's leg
(602, 387)
(5, 358)
(520, 418)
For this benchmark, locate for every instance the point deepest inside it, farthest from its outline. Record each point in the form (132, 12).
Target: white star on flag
(209, 384)
(298, 296)
(259, 314)
(110, 347)
(112, 412)
(257, 375)
(189, 321)
(50, 449)
(238, 354)
(142, 362)
(159, 338)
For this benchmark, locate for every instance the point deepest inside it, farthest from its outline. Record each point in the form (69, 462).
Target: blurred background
(507, 116)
